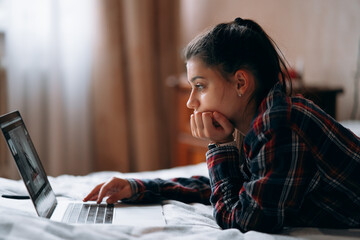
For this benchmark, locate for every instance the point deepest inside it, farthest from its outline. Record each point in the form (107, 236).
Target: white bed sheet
(353, 125)
(184, 221)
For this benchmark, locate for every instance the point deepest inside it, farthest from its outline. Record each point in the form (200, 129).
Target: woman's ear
(242, 81)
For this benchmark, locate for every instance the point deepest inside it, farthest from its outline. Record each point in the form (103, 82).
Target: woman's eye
(199, 86)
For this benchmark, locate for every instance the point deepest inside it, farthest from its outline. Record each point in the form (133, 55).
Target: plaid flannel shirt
(298, 167)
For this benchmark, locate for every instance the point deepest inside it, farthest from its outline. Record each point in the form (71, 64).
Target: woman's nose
(192, 102)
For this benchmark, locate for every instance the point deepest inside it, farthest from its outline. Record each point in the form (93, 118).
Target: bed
(18, 219)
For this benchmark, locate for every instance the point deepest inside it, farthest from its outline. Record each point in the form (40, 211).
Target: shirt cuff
(224, 163)
(137, 187)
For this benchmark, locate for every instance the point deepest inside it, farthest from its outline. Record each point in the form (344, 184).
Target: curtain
(4, 165)
(49, 56)
(133, 106)
(90, 80)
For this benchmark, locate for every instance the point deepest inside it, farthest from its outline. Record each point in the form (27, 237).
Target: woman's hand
(212, 126)
(116, 189)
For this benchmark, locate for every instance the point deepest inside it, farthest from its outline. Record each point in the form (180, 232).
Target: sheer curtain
(133, 106)
(49, 59)
(89, 77)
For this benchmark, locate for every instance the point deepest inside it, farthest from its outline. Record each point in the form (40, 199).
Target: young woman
(296, 166)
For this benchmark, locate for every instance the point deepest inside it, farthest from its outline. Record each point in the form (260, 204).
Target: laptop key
(67, 214)
(89, 213)
(83, 213)
(75, 213)
(92, 214)
(109, 213)
(100, 214)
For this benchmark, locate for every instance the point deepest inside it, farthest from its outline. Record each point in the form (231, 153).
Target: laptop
(44, 199)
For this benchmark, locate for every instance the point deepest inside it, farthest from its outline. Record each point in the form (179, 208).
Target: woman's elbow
(249, 223)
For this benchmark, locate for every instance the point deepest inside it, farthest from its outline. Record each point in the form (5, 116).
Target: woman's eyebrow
(196, 77)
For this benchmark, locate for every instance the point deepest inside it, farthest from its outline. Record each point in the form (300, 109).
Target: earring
(238, 87)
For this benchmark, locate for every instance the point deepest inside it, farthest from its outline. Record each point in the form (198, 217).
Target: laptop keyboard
(89, 213)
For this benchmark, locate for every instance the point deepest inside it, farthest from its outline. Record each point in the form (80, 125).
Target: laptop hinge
(51, 211)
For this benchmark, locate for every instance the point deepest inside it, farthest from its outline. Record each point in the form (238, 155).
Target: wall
(324, 35)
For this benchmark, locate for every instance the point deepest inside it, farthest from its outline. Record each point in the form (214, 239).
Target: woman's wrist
(134, 188)
(223, 144)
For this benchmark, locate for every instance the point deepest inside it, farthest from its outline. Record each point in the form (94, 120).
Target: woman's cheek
(209, 103)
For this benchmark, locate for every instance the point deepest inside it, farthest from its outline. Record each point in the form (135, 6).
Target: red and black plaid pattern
(301, 168)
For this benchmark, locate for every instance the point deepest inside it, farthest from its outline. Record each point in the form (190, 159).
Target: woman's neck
(244, 124)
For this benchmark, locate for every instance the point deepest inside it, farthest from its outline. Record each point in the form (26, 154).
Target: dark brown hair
(241, 44)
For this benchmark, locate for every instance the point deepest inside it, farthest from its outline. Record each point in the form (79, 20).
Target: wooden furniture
(190, 150)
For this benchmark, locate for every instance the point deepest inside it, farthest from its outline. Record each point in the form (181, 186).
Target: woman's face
(211, 91)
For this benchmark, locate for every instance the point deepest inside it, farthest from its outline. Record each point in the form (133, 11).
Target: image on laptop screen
(28, 164)
(24, 156)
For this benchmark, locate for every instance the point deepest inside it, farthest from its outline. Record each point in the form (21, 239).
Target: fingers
(114, 198)
(193, 125)
(209, 123)
(117, 196)
(106, 190)
(102, 194)
(224, 122)
(199, 124)
(212, 126)
(116, 189)
(196, 125)
(93, 195)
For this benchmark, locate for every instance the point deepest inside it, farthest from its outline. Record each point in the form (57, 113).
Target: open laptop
(44, 199)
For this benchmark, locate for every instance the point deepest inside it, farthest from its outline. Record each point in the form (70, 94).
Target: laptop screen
(28, 163)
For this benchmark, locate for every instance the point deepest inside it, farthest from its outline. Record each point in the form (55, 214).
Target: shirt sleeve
(188, 190)
(277, 182)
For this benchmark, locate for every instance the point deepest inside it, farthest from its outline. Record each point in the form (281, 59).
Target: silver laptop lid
(28, 163)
